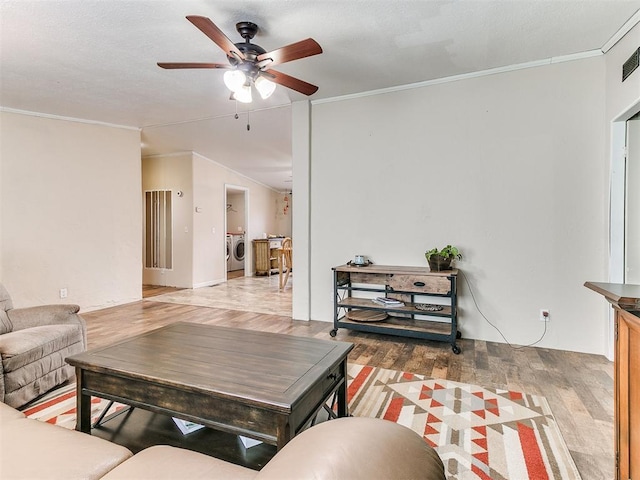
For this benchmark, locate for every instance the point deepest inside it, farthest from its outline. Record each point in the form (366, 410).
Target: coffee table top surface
(255, 367)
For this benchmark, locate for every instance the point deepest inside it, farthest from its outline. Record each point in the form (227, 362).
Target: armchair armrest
(44, 315)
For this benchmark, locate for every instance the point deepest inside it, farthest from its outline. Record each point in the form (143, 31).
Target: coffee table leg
(284, 432)
(343, 401)
(83, 405)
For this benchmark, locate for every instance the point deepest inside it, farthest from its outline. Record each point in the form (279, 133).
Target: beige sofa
(34, 343)
(345, 448)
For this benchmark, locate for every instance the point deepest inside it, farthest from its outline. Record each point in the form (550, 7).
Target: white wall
(211, 179)
(508, 167)
(284, 215)
(173, 172)
(199, 217)
(71, 211)
(622, 102)
(301, 153)
(621, 95)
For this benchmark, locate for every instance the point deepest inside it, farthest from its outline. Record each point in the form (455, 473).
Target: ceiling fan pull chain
(248, 120)
(236, 115)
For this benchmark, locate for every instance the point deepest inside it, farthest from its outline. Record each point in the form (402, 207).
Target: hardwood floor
(155, 290)
(579, 387)
(235, 274)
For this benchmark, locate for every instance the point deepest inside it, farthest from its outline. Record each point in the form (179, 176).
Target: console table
(356, 287)
(266, 255)
(625, 300)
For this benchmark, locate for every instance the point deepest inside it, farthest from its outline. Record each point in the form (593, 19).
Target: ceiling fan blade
(301, 49)
(207, 27)
(291, 82)
(170, 65)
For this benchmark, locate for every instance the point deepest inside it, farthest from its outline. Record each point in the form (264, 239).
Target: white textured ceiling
(96, 60)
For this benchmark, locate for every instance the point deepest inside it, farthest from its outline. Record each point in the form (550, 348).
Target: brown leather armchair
(34, 343)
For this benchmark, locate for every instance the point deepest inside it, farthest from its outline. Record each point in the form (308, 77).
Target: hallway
(249, 294)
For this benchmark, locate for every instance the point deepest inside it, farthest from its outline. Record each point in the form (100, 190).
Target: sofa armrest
(356, 448)
(38, 450)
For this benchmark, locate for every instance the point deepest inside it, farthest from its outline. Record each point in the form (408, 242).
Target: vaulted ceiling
(96, 60)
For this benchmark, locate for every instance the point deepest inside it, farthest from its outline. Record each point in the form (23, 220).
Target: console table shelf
(355, 287)
(410, 308)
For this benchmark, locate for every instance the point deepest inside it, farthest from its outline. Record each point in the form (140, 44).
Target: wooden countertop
(626, 296)
(388, 269)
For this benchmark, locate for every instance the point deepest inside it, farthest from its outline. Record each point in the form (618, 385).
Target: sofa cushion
(23, 347)
(7, 414)
(30, 382)
(5, 323)
(5, 304)
(170, 463)
(5, 299)
(34, 360)
(30, 449)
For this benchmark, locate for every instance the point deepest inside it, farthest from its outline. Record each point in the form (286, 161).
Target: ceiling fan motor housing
(247, 30)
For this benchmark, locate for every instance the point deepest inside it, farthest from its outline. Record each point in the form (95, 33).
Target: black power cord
(497, 329)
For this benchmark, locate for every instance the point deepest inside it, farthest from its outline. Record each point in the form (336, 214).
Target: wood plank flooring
(155, 290)
(579, 387)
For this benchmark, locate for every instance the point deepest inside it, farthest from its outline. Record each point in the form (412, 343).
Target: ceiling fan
(250, 64)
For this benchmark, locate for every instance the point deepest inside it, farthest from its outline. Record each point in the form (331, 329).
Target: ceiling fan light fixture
(265, 87)
(234, 80)
(243, 94)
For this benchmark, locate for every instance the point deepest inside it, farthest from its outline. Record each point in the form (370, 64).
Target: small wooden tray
(366, 315)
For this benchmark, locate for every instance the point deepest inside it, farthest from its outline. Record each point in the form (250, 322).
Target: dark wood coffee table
(260, 385)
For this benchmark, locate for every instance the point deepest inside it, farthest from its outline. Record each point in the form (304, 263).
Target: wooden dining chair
(286, 258)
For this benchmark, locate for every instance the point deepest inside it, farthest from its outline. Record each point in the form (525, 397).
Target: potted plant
(441, 259)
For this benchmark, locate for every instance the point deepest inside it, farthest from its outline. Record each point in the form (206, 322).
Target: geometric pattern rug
(479, 433)
(59, 407)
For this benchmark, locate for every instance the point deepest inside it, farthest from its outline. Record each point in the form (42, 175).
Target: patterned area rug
(59, 407)
(480, 433)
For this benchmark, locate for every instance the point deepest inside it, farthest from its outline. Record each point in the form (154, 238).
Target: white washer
(237, 256)
(229, 250)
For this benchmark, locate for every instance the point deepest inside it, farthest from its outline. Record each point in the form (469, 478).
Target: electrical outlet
(545, 316)
(63, 293)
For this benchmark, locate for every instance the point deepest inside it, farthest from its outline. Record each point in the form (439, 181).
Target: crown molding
(465, 76)
(68, 119)
(626, 28)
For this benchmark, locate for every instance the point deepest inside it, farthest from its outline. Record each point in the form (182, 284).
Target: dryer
(229, 250)
(237, 252)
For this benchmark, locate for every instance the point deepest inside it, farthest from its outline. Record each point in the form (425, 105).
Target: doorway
(624, 212)
(632, 202)
(624, 222)
(236, 222)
